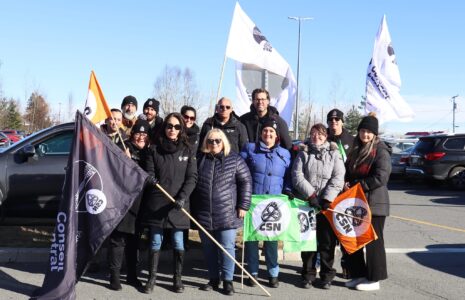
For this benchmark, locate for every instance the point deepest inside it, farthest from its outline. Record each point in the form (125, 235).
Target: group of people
(212, 172)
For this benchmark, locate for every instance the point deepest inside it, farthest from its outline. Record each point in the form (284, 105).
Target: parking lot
(424, 236)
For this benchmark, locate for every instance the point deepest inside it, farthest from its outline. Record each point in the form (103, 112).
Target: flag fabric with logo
(306, 217)
(383, 81)
(271, 218)
(353, 225)
(252, 51)
(96, 108)
(100, 186)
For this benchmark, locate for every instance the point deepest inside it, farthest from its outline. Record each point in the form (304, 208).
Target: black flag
(100, 186)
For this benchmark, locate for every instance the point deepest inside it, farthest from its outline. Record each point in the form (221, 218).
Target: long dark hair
(182, 133)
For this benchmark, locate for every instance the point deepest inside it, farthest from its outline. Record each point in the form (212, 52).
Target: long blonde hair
(226, 145)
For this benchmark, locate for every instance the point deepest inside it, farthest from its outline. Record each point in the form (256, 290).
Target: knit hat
(129, 99)
(153, 103)
(369, 122)
(141, 126)
(270, 122)
(335, 113)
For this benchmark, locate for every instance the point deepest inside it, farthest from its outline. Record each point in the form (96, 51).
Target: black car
(439, 157)
(32, 173)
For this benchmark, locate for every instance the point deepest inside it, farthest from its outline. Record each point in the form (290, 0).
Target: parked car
(439, 157)
(13, 135)
(4, 140)
(32, 173)
(399, 161)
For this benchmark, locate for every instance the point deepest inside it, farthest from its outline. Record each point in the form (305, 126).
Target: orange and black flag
(352, 225)
(96, 108)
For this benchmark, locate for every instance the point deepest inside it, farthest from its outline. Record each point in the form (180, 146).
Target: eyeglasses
(213, 141)
(334, 119)
(140, 134)
(224, 107)
(261, 99)
(175, 126)
(186, 117)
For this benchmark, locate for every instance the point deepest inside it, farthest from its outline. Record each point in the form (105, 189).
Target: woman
(173, 163)
(123, 239)
(369, 164)
(269, 164)
(318, 176)
(220, 202)
(192, 130)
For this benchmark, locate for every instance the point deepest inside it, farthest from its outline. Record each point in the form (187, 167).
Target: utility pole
(454, 108)
(296, 116)
(59, 112)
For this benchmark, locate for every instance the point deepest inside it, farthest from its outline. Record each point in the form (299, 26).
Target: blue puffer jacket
(270, 168)
(224, 184)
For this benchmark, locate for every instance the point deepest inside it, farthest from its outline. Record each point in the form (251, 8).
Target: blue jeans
(219, 264)
(157, 238)
(271, 257)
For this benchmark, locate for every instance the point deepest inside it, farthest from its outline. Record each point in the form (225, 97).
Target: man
(226, 120)
(112, 126)
(337, 133)
(344, 140)
(129, 108)
(150, 110)
(260, 113)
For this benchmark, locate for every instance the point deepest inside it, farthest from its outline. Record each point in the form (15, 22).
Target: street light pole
(296, 116)
(454, 107)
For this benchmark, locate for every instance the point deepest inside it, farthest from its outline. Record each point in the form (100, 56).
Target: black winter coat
(176, 169)
(345, 138)
(375, 183)
(224, 185)
(193, 137)
(233, 129)
(253, 125)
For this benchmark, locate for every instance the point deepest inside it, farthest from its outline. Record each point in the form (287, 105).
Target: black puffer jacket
(233, 129)
(254, 124)
(224, 184)
(176, 169)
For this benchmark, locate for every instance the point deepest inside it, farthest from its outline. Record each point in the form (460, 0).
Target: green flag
(306, 217)
(271, 218)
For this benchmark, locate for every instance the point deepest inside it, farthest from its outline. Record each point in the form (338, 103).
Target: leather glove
(179, 203)
(325, 205)
(313, 201)
(152, 180)
(289, 194)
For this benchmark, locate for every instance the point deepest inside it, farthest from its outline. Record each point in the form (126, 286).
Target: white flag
(248, 46)
(383, 81)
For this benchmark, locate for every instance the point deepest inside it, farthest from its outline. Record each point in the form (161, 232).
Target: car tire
(457, 178)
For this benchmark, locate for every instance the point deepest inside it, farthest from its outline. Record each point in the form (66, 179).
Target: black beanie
(270, 122)
(335, 113)
(369, 122)
(141, 126)
(129, 99)
(153, 103)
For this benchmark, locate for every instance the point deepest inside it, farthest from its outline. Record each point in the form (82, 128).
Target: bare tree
(37, 113)
(175, 88)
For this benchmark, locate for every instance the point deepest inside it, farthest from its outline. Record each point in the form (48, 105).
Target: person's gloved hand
(313, 201)
(289, 194)
(325, 205)
(152, 180)
(179, 203)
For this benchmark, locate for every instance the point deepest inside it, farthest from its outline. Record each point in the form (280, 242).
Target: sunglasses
(171, 126)
(224, 107)
(186, 117)
(213, 141)
(334, 119)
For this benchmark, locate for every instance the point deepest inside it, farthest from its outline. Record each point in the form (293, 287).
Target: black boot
(115, 257)
(153, 258)
(132, 260)
(178, 256)
(115, 283)
(228, 288)
(212, 284)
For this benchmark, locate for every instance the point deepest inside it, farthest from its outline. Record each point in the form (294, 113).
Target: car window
(424, 146)
(455, 144)
(57, 145)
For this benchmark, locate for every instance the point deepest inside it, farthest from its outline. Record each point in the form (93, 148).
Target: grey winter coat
(318, 170)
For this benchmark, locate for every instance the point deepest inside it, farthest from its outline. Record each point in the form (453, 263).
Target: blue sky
(52, 46)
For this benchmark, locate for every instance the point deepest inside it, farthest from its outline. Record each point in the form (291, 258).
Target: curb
(37, 255)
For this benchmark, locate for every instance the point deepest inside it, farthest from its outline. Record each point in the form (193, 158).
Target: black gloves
(179, 203)
(152, 180)
(325, 205)
(289, 194)
(313, 201)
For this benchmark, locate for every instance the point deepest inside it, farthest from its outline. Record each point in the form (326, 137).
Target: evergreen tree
(352, 119)
(13, 117)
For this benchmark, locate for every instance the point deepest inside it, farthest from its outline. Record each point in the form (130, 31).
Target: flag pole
(219, 84)
(213, 240)
(242, 273)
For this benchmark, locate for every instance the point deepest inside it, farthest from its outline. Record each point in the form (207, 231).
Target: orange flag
(96, 108)
(352, 225)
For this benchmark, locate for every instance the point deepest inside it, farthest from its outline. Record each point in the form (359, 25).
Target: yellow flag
(96, 108)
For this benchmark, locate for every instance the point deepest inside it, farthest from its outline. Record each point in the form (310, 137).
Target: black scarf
(169, 146)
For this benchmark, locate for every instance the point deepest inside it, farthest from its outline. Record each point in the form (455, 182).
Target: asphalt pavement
(425, 242)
